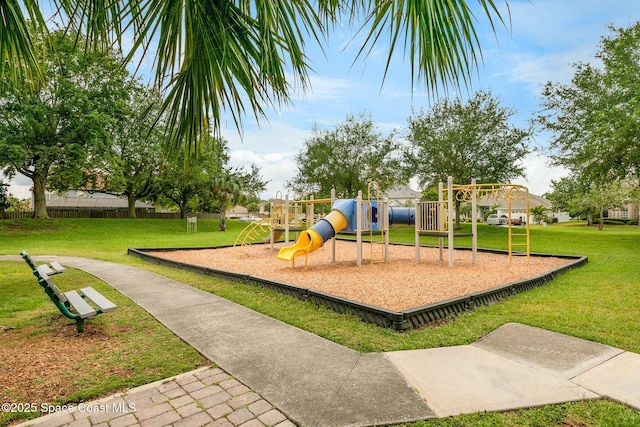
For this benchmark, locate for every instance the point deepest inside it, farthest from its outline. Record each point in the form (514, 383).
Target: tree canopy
(594, 120)
(346, 159)
(595, 127)
(472, 139)
(465, 140)
(131, 167)
(590, 199)
(244, 56)
(206, 182)
(52, 133)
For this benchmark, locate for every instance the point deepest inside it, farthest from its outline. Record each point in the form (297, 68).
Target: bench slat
(98, 299)
(45, 271)
(28, 260)
(57, 292)
(80, 306)
(57, 268)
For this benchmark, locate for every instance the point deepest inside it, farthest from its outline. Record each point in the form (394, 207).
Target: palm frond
(439, 38)
(20, 66)
(100, 23)
(225, 56)
(235, 56)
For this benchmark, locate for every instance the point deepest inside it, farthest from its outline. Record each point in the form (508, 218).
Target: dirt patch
(397, 285)
(43, 366)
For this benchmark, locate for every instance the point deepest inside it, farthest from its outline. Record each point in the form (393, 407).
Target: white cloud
(539, 174)
(535, 70)
(272, 148)
(331, 89)
(276, 168)
(19, 186)
(276, 136)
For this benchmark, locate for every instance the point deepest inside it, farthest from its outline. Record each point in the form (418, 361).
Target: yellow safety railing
(509, 192)
(252, 233)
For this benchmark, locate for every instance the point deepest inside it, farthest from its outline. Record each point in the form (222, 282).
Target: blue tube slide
(341, 217)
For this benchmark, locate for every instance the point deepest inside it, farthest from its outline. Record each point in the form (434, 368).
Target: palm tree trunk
(223, 220)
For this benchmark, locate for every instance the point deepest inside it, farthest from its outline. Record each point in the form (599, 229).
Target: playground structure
(375, 216)
(293, 216)
(286, 217)
(430, 216)
(356, 216)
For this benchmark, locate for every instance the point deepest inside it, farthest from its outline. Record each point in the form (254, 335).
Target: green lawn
(597, 302)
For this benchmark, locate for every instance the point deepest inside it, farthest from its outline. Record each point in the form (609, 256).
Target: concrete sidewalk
(315, 382)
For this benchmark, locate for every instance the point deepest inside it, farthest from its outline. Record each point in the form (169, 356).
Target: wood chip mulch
(397, 285)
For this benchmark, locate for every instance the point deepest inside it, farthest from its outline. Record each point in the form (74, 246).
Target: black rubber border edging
(396, 320)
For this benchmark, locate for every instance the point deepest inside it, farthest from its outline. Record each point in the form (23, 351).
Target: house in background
(85, 201)
(518, 208)
(402, 195)
(237, 212)
(629, 211)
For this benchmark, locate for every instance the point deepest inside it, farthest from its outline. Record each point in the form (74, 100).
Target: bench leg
(80, 325)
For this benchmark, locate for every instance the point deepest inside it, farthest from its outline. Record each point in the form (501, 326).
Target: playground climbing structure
(436, 218)
(294, 216)
(375, 216)
(519, 238)
(355, 216)
(254, 232)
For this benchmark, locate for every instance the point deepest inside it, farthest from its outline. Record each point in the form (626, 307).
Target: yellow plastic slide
(308, 241)
(314, 237)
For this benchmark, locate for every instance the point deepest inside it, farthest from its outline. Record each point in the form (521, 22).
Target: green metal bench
(72, 304)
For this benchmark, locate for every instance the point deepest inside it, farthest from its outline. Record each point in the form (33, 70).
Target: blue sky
(547, 37)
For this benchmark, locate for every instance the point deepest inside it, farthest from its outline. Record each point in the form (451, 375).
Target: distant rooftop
(402, 192)
(83, 200)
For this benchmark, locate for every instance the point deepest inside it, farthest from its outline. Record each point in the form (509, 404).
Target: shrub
(615, 222)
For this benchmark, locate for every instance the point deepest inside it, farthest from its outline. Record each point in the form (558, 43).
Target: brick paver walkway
(204, 397)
